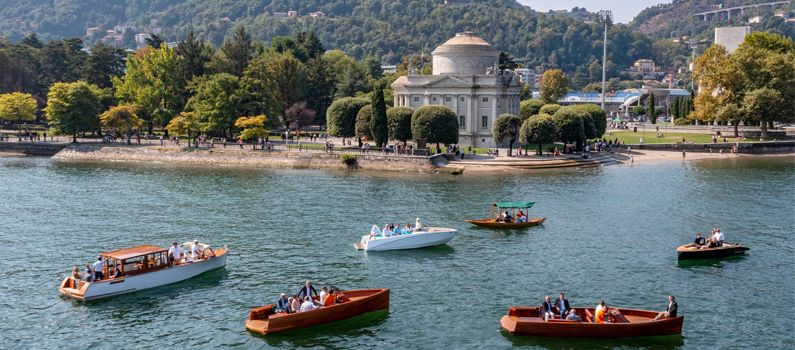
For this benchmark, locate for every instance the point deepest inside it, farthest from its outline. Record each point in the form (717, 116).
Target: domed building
(466, 77)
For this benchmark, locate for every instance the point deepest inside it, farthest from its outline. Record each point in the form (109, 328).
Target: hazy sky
(623, 10)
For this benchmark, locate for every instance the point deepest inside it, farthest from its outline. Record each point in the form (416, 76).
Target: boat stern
(73, 288)
(508, 323)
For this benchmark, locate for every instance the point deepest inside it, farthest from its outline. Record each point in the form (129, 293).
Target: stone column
(395, 99)
(493, 111)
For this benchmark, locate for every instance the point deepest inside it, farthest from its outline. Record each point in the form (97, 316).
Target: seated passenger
(116, 272)
(76, 273)
(323, 294)
(386, 232)
(307, 305)
(397, 231)
(407, 229)
(600, 315)
(89, 274)
(295, 303)
(329, 299)
(418, 226)
(699, 242)
(340, 298)
(573, 316)
(282, 305)
(375, 231)
(507, 217)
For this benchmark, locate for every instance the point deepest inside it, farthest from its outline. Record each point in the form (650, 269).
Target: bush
(597, 114)
(399, 122)
(550, 109)
(341, 116)
(530, 108)
(570, 126)
(435, 124)
(639, 110)
(363, 122)
(348, 159)
(683, 121)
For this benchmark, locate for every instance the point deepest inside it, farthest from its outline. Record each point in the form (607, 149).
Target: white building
(466, 78)
(731, 37)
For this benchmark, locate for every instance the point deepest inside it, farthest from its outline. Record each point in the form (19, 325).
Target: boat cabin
(513, 209)
(136, 260)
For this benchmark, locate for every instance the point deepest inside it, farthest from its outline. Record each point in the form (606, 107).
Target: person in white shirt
(307, 305)
(418, 226)
(719, 237)
(196, 250)
(386, 232)
(98, 269)
(323, 294)
(175, 253)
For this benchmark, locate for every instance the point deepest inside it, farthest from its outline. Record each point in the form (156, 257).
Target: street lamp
(604, 16)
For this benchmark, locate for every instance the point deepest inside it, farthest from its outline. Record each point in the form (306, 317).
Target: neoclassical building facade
(467, 79)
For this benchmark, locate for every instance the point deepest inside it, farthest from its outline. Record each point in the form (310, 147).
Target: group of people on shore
(602, 314)
(395, 230)
(303, 300)
(715, 240)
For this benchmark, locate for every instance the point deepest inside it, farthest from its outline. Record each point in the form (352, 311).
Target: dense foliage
(435, 124)
(506, 126)
(538, 129)
(399, 122)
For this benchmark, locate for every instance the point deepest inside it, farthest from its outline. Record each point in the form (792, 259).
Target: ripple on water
(611, 234)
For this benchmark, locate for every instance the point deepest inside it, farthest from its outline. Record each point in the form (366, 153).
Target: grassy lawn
(627, 136)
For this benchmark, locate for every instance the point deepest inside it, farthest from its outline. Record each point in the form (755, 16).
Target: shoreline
(439, 164)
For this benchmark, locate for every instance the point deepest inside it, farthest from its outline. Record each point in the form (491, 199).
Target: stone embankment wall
(31, 148)
(294, 160)
(725, 130)
(747, 147)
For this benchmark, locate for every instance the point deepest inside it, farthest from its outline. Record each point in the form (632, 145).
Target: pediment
(448, 81)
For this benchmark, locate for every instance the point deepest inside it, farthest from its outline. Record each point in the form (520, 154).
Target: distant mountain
(390, 29)
(676, 19)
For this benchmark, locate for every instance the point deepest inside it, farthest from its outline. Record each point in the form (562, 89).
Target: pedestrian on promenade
(683, 154)
(161, 140)
(240, 142)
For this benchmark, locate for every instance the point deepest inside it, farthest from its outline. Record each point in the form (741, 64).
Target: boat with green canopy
(516, 217)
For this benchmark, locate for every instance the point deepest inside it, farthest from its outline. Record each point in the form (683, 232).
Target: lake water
(611, 233)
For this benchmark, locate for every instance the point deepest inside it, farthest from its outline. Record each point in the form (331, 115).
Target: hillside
(390, 29)
(676, 19)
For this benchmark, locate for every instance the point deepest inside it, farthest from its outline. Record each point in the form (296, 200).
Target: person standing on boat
(306, 291)
(670, 311)
(175, 253)
(563, 306)
(546, 309)
(195, 250)
(98, 269)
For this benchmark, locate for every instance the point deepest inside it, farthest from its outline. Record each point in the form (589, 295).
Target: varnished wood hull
(524, 321)
(497, 224)
(362, 301)
(690, 251)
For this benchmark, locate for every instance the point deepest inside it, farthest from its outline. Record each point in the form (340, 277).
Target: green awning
(617, 120)
(514, 204)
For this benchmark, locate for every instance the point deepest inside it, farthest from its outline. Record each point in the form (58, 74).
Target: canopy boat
(497, 220)
(428, 237)
(264, 321)
(142, 268)
(629, 323)
(691, 251)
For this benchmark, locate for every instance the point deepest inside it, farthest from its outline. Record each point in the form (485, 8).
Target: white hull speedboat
(433, 236)
(157, 275)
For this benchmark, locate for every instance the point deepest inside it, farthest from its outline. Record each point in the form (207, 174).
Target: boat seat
(588, 316)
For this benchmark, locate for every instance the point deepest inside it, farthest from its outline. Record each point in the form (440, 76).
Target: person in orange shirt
(600, 315)
(329, 298)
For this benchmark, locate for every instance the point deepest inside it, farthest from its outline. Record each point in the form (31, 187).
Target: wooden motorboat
(429, 237)
(141, 268)
(630, 323)
(263, 321)
(498, 221)
(691, 251)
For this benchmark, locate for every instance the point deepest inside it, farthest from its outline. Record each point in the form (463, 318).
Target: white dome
(464, 54)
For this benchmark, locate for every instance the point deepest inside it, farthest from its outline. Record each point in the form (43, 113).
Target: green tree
(103, 64)
(506, 126)
(506, 61)
(32, 40)
(341, 116)
(762, 105)
(154, 41)
(289, 78)
(530, 108)
(399, 119)
(237, 53)
(550, 109)
(17, 106)
(554, 86)
(639, 110)
(597, 114)
(61, 61)
(378, 121)
(539, 129)
(731, 113)
(184, 124)
(72, 108)
(435, 124)
(218, 102)
(652, 115)
(363, 130)
(320, 78)
(569, 124)
(121, 118)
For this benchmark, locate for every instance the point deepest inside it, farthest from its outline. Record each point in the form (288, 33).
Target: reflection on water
(716, 263)
(648, 343)
(331, 335)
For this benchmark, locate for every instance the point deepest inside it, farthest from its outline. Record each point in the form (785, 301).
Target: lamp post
(604, 16)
